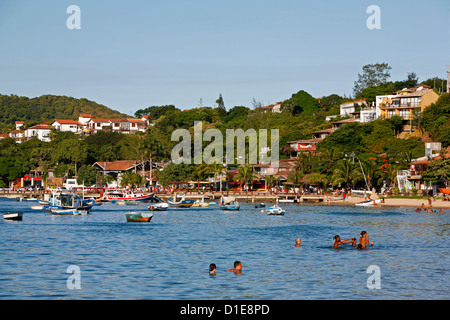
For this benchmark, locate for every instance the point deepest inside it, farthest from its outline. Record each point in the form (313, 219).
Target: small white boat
(69, 212)
(159, 206)
(275, 211)
(201, 204)
(369, 203)
(16, 216)
(37, 207)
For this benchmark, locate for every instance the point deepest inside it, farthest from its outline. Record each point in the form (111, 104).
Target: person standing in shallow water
(364, 240)
(338, 241)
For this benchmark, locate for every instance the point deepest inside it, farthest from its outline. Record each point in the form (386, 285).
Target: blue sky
(134, 54)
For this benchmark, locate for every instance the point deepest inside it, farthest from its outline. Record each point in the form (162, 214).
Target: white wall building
(68, 125)
(40, 131)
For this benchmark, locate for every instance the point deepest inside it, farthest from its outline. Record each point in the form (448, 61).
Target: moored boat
(275, 211)
(69, 212)
(160, 206)
(139, 216)
(180, 201)
(13, 216)
(229, 203)
(369, 203)
(124, 195)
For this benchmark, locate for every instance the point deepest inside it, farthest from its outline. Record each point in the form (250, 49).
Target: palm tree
(295, 177)
(344, 173)
(371, 173)
(270, 180)
(245, 174)
(217, 169)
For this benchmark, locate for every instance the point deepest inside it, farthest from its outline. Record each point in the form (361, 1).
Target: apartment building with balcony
(406, 103)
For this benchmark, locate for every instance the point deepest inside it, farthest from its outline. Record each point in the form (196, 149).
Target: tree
(87, 175)
(245, 174)
(131, 178)
(438, 170)
(343, 173)
(372, 75)
(70, 151)
(301, 103)
(222, 111)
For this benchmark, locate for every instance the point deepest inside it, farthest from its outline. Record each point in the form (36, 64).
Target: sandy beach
(402, 202)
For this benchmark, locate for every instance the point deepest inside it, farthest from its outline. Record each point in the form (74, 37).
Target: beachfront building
(407, 103)
(414, 175)
(117, 168)
(280, 170)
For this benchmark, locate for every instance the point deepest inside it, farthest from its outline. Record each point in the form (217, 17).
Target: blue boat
(180, 202)
(229, 203)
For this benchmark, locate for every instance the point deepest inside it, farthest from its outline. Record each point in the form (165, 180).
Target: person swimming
(338, 241)
(212, 269)
(364, 239)
(237, 268)
(298, 242)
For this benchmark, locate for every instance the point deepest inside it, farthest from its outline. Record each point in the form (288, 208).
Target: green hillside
(46, 108)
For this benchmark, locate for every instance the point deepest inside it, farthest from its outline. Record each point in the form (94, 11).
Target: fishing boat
(260, 205)
(369, 203)
(275, 211)
(124, 195)
(131, 203)
(178, 201)
(13, 216)
(229, 203)
(67, 201)
(139, 216)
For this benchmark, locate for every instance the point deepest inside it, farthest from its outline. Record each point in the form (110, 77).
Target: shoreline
(401, 202)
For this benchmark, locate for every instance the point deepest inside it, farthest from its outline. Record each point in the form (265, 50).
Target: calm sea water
(169, 257)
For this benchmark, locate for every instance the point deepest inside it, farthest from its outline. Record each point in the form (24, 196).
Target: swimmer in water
(298, 242)
(237, 268)
(338, 241)
(212, 269)
(364, 240)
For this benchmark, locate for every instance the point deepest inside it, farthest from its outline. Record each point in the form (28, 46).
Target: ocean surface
(168, 258)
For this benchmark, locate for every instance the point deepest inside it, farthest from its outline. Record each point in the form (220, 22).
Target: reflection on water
(169, 257)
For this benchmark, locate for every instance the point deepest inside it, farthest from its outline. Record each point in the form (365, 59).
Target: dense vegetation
(375, 144)
(48, 108)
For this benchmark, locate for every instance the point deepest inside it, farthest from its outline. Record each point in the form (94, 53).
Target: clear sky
(133, 54)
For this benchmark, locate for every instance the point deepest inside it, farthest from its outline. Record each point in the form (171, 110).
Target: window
(404, 113)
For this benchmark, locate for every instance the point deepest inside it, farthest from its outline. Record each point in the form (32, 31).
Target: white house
(67, 125)
(84, 118)
(348, 107)
(40, 131)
